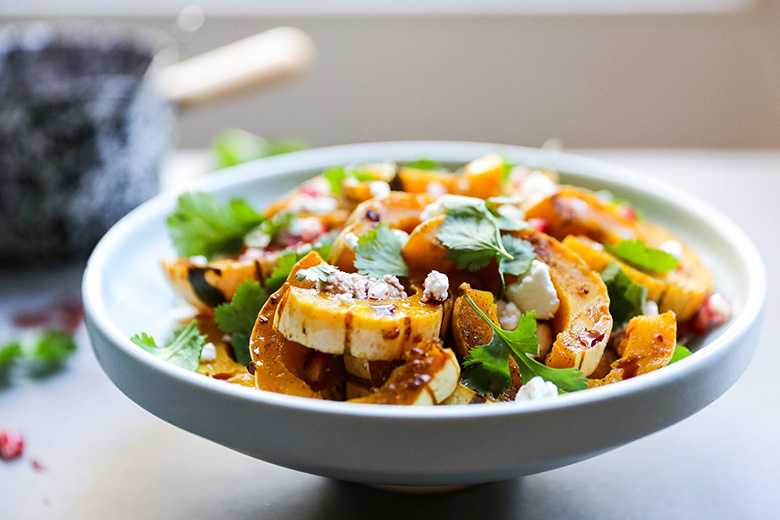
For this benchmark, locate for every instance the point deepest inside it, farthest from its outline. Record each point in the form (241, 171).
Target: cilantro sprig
(378, 253)
(471, 231)
(336, 175)
(488, 365)
(238, 317)
(40, 352)
(183, 350)
(626, 297)
(316, 273)
(636, 253)
(680, 352)
(200, 225)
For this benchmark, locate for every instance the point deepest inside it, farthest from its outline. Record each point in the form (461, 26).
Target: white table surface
(106, 458)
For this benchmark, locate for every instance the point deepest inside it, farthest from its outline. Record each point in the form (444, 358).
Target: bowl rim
(319, 158)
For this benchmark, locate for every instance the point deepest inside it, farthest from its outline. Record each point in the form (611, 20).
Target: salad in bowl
(416, 283)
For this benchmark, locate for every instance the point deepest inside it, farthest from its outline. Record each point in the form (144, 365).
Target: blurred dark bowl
(82, 135)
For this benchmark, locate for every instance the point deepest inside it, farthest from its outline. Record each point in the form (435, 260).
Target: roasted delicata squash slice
(206, 286)
(287, 367)
(429, 375)
(649, 345)
(367, 329)
(582, 324)
(681, 290)
(415, 180)
(572, 211)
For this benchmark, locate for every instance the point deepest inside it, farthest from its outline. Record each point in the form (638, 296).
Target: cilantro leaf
(51, 348)
(378, 253)
(626, 297)
(183, 350)
(316, 273)
(523, 255)
(471, 242)
(522, 343)
(680, 352)
(200, 225)
(425, 164)
(487, 367)
(292, 255)
(238, 317)
(636, 253)
(9, 353)
(336, 175)
(235, 146)
(506, 221)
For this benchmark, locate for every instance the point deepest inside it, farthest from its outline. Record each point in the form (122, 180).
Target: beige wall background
(592, 81)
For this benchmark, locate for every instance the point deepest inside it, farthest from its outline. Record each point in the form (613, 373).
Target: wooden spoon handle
(252, 62)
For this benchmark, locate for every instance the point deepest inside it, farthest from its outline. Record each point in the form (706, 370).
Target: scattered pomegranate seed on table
(11, 445)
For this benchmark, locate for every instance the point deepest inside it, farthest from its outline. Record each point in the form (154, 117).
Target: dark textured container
(82, 135)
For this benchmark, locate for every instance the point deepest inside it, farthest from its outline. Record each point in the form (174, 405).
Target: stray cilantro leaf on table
(200, 225)
(41, 352)
(486, 375)
(9, 353)
(238, 317)
(626, 297)
(379, 253)
(636, 253)
(183, 350)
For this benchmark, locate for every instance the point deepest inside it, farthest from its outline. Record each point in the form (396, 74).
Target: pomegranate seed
(626, 211)
(538, 224)
(311, 191)
(11, 445)
(716, 310)
(37, 466)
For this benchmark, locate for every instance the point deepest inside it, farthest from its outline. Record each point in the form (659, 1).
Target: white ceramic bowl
(125, 293)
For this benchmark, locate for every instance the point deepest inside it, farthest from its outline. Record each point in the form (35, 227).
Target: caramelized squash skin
(280, 364)
(649, 345)
(582, 324)
(205, 287)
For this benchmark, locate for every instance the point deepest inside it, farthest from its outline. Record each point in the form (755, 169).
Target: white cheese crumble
(651, 308)
(362, 287)
(345, 297)
(209, 352)
(311, 204)
(308, 229)
(351, 239)
(402, 235)
(535, 389)
(535, 292)
(435, 188)
(508, 314)
(673, 247)
(378, 188)
(199, 260)
(436, 287)
(511, 212)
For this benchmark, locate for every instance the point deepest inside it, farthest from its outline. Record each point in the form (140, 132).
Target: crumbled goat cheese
(209, 352)
(535, 389)
(311, 204)
(508, 315)
(651, 308)
(199, 260)
(534, 186)
(535, 292)
(308, 229)
(435, 188)
(673, 247)
(436, 287)
(378, 188)
(361, 287)
(351, 239)
(511, 212)
(402, 235)
(345, 297)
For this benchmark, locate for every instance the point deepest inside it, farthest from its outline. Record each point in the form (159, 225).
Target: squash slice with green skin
(582, 323)
(649, 345)
(206, 286)
(280, 364)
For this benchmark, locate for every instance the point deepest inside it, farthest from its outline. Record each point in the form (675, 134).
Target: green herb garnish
(626, 297)
(425, 164)
(235, 146)
(636, 253)
(488, 365)
(183, 350)
(317, 273)
(41, 352)
(336, 175)
(200, 225)
(379, 253)
(680, 352)
(292, 256)
(238, 317)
